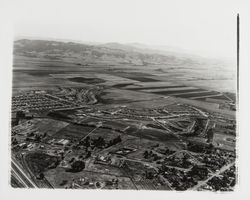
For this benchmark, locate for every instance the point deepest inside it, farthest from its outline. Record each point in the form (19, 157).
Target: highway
(20, 175)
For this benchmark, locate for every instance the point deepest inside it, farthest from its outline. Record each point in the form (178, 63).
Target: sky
(203, 27)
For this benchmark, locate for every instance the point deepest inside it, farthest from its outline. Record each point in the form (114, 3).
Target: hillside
(110, 52)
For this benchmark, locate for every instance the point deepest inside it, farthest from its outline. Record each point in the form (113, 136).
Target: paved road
(20, 175)
(152, 165)
(18, 180)
(90, 132)
(201, 183)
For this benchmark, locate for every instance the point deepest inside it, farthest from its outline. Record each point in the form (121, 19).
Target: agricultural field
(73, 131)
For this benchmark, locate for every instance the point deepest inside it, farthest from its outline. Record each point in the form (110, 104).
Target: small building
(62, 142)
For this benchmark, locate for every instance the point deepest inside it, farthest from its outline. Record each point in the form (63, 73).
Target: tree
(63, 182)
(88, 154)
(78, 166)
(20, 114)
(37, 138)
(115, 141)
(14, 141)
(87, 141)
(118, 139)
(44, 135)
(146, 154)
(149, 175)
(155, 157)
(40, 176)
(98, 184)
(72, 160)
(31, 134)
(100, 142)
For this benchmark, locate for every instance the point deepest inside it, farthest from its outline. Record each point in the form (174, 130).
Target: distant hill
(109, 52)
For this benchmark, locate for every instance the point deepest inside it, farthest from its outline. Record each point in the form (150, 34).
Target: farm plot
(156, 87)
(73, 131)
(156, 84)
(169, 89)
(86, 80)
(106, 134)
(143, 79)
(50, 126)
(153, 134)
(177, 92)
(197, 94)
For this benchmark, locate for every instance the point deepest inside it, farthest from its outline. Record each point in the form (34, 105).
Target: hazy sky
(204, 27)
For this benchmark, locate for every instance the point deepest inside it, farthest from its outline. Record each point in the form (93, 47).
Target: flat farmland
(86, 80)
(153, 134)
(112, 79)
(198, 94)
(227, 85)
(120, 125)
(115, 124)
(176, 91)
(118, 96)
(40, 73)
(138, 76)
(92, 121)
(156, 87)
(221, 97)
(105, 169)
(106, 134)
(49, 126)
(37, 80)
(144, 79)
(73, 131)
(136, 143)
(156, 84)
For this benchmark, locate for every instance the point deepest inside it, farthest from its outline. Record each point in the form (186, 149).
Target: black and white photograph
(124, 95)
